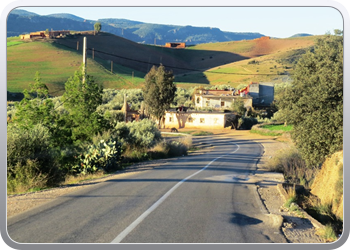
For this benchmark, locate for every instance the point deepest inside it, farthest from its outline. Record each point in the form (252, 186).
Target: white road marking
(133, 225)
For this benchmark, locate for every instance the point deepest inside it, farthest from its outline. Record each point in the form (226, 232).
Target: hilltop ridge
(21, 21)
(117, 62)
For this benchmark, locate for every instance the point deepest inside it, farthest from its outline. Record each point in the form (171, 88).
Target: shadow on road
(244, 220)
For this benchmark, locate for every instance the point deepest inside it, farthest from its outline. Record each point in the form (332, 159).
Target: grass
(202, 133)
(295, 171)
(70, 180)
(255, 131)
(57, 63)
(271, 129)
(328, 233)
(13, 43)
(281, 127)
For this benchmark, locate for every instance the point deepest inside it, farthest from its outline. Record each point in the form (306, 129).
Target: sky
(278, 22)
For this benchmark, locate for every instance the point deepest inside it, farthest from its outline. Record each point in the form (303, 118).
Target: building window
(190, 119)
(201, 120)
(222, 104)
(198, 100)
(170, 119)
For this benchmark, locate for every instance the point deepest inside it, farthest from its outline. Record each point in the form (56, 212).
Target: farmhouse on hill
(44, 34)
(175, 45)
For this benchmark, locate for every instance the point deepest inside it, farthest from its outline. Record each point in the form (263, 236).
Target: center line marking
(132, 226)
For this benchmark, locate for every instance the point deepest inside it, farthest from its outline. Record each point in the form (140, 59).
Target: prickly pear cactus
(104, 156)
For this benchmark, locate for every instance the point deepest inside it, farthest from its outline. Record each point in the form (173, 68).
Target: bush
(27, 177)
(144, 134)
(291, 164)
(172, 148)
(247, 122)
(114, 116)
(138, 135)
(31, 144)
(106, 155)
(176, 148)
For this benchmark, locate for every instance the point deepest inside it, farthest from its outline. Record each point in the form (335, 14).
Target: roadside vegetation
(310, 110)
(68, 130)
(52, 141)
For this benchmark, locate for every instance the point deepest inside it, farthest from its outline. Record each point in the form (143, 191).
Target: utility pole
(84, 60)
(77, 45)
(132, 77)
(111, 66)
(93, 53)
(126, 109)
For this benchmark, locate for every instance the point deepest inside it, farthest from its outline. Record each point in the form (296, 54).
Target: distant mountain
(23, 13)
(67, 16)
(301, 35)
(21, 21)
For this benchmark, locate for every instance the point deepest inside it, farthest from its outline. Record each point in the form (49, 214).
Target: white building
(193, 119)
(219, 99)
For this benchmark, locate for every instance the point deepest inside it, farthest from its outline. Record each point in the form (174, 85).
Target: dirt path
(295, 228)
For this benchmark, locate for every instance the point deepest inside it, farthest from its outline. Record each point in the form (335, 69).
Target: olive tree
(314, 102)
(159, 91)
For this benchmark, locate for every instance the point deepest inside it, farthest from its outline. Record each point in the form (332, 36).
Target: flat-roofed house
(197, 119)
(219, 99)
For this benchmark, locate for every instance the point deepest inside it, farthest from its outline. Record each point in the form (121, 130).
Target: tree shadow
(244, 220)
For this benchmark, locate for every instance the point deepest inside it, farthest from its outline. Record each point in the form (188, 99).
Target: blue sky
(271, 21)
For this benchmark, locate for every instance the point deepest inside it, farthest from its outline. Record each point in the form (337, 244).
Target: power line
(168, 66)
(174, 67)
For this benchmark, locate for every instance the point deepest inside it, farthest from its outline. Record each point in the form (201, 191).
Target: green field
(228, 63)
(279, 127)
(13, 43)
(56, 64)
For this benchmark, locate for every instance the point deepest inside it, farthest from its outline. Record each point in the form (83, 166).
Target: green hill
(121, 63)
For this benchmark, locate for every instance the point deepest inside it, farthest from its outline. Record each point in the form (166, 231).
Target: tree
(97, 27)
(159, 91)
(314, 102)
(238, 106)
(81, 100)
(35, 107)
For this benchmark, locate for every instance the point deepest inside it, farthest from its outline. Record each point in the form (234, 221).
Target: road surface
(200, 198)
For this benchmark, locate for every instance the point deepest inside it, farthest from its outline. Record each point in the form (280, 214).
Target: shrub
(114, 116)
(291, 164)
(23, 178)
(30, 144)
(144, 134)
(138, 135)
(171, 148)
(247, 122)
(106, 155)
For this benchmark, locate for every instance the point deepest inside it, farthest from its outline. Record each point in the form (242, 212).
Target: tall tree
(159, 91)
(97, 27)
(314, 102)
(81, 100)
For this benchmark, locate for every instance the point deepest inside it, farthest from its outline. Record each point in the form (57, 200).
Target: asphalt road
(204, 198)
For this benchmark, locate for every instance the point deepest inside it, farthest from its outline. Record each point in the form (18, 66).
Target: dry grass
(290, 163)
(71, 179)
